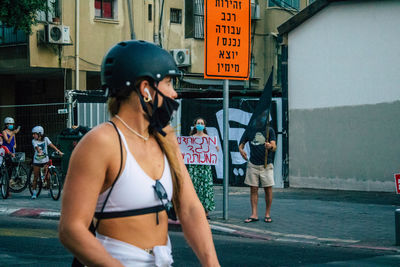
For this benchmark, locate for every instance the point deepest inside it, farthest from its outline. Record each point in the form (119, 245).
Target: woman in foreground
(131, 195)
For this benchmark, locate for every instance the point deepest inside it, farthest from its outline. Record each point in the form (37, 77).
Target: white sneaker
(34, 194)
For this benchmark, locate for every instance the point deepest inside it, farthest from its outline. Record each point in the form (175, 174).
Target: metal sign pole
(226, 56)
(226, 148)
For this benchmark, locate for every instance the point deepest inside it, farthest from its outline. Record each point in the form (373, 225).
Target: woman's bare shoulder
(101, 135)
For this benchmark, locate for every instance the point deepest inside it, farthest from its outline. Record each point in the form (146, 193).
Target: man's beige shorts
(257, 174)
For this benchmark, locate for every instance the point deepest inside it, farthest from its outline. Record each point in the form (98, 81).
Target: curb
(226, 228)
(31, 213)
(275, 236)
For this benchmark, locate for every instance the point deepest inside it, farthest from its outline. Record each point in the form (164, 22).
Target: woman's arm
(15, 142)
(192, 216)
(6, 138)
(93, 160)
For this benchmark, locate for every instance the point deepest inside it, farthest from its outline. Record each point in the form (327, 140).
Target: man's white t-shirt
(44, 157)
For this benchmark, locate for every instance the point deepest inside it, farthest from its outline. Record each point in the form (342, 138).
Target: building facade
(46, 61)
(64, 53)
(343, 95)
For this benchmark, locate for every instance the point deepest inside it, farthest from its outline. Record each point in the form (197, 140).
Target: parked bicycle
(19, 175)
(49, 179)
(4, 180)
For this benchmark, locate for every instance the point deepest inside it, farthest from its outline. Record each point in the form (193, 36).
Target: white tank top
(134, 188)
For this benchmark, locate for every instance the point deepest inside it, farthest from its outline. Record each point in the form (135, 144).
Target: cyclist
(40, 143)
(9, 133)
(3, 152)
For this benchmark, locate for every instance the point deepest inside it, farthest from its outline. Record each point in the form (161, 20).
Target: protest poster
(201, 150)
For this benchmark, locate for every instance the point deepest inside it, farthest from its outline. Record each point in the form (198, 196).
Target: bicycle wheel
(19, 179)
(55, 185)
(38, 183)
(4, 183)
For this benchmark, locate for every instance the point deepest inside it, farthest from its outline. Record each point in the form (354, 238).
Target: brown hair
(168, 148)
(114, 103)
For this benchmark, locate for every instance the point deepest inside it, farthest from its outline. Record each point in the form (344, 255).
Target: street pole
(133, 37)
(226, 148)
(397, 226)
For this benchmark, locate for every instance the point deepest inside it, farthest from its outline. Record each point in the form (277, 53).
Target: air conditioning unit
(57, 34)
(181, 57)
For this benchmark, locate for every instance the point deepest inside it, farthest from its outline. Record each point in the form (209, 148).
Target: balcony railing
(10, 37)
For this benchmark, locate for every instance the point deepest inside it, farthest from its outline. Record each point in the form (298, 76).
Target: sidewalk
(334, 218)
(337, 218)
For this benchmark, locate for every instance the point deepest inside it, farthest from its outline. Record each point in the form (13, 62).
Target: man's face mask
(10, 127)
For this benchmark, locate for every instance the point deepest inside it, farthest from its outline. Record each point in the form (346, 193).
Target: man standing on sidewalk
(258, 172)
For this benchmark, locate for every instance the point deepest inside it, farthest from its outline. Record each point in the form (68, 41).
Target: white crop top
(134, 188)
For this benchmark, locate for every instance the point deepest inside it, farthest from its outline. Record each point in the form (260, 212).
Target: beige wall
(98, 35)
(95, 35)
(174, 35)
(265, 43)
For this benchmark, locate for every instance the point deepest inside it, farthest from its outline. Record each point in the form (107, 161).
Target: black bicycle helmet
(127, 61)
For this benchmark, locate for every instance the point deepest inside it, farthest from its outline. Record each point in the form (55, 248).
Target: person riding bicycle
(40, 143)
(4, 151)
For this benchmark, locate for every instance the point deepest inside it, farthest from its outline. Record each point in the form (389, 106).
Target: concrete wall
(344, 97)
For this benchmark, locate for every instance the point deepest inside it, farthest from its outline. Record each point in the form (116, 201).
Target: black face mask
(161, 116)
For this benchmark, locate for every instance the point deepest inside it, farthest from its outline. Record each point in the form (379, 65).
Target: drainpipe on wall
(133, 37)
(155, 35)
(160, 24)
(76, 44)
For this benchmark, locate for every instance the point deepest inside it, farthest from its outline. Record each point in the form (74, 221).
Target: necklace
(133, 131)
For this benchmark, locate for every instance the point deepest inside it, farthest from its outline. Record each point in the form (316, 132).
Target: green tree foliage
(21, 14)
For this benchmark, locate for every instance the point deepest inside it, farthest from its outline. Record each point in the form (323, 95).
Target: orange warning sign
(227, 39)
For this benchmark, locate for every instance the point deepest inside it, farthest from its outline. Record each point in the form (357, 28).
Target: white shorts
(257, 174)
(129, 255)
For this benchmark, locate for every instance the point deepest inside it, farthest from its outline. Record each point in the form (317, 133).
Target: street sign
(397, 181)
(227, 39)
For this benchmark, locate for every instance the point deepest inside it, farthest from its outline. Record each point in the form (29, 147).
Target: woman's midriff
(141, 231)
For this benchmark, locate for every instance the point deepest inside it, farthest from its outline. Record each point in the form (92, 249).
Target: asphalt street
(34, 242)
(303, 217)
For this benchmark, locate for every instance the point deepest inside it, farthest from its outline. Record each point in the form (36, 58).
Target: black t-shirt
(256, 141)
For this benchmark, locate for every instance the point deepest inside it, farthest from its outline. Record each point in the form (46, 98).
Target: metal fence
(52, 117)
